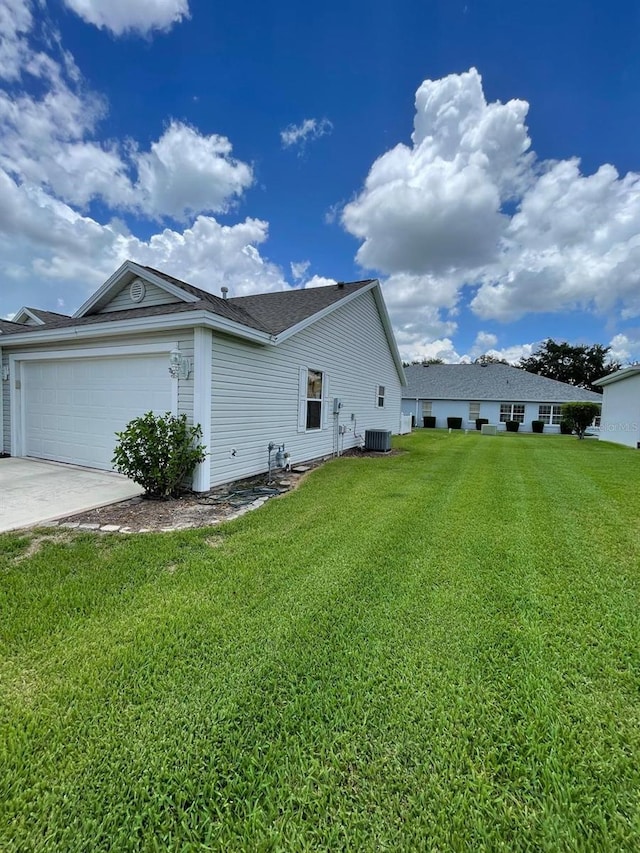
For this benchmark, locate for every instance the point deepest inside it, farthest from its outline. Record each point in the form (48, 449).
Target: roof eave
(623, 373)
(159, 322)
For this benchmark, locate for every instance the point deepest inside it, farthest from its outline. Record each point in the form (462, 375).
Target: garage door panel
(74, 407)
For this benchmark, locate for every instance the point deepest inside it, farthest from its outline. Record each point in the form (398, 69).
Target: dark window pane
(313, 414)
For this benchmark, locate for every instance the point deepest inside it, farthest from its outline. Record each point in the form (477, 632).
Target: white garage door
(73, 406)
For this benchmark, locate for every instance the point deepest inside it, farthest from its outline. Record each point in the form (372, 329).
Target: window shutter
(302, 399)
(326, 401)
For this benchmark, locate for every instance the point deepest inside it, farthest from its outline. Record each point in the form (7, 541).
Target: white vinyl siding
(257, 391)
(153, 295)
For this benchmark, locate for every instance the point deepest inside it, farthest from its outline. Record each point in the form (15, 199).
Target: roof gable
(36, 316)
(123, 278)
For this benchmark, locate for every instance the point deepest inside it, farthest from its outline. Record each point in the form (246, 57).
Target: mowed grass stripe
(437, 650)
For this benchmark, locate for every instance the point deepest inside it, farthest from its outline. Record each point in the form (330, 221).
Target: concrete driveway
(34, 492)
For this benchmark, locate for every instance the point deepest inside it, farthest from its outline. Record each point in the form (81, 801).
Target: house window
(314, 399)
(511, 412)
(474, 411)
(426, 408)
(380, 396)
(550, 414)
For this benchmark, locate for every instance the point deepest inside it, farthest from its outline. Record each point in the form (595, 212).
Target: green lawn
(438, 650)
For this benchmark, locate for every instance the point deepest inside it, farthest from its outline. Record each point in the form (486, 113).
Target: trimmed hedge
(454, 423)
(537, 426)
(480, 421)
(512, 426)
(429, 422)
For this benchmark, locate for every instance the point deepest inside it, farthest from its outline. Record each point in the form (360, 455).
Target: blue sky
(480, 158)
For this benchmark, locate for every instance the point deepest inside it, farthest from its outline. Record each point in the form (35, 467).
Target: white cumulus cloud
(53, 165)
(467, 214)
(186, 172)
(137, 16)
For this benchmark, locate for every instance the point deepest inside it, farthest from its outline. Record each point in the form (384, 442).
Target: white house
(311, 369)
(496, 392)
(620, 420)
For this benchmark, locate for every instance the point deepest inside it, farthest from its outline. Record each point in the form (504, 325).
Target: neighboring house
(620, 419)
(311, 369)
(496, 392)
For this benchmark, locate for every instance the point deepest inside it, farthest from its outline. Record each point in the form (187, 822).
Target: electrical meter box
(337, 405)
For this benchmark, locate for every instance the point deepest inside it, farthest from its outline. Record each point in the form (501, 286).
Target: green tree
(423, 361)
(485, 358)
(577, 365)
(579, 416)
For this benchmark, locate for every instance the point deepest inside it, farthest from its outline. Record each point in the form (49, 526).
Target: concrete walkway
(34, 492)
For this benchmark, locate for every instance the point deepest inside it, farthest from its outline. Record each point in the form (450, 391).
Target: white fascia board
(155, 323)
(624, 373)
(388, 328)
(114, 281)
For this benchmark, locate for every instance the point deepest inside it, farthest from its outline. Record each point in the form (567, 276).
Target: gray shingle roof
(8, 326)
(498, 382)
(271, 313)
(286, 308)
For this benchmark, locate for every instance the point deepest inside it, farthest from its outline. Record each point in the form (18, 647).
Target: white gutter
(111, 328)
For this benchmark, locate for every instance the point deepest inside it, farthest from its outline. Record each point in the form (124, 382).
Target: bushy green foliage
(575, 365)
(159, 452)
(512, 426)
(579, 416)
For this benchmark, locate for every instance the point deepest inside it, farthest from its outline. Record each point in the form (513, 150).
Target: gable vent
(137, 290)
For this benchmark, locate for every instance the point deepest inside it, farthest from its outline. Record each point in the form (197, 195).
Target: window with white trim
(380, 396)
(511, 412)
(314, 399)
(549, 413)
(427, 405)
(474, 411)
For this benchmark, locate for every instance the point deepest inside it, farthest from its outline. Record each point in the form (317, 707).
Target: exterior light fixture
(179, 366)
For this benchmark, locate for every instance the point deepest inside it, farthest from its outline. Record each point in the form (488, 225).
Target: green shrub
(159, 452)
(565, 428)
(429, 421)
(537, 426)
(480, 422)
(512, 426)
(580, 416)
(454, 423)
